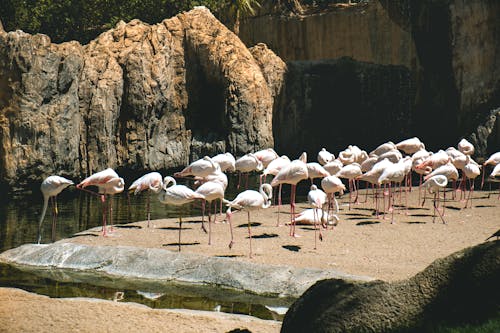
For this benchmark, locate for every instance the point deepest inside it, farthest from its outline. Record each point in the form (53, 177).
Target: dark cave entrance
(206, 111)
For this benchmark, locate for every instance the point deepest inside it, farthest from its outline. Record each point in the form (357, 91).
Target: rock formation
(456, 289)
(448, 48)
(141, 97)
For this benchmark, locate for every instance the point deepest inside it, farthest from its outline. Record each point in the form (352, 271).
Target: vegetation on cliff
(83, 20)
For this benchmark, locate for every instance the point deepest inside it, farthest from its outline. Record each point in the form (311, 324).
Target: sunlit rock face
(448, 48)
(140, 97)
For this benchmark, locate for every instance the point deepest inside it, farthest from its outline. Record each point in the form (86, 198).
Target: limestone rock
(140, 97)
(458, 288)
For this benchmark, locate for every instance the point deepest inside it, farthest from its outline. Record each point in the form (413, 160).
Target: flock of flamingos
(385, 169)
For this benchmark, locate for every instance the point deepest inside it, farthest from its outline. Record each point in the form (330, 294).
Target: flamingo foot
(231, 243)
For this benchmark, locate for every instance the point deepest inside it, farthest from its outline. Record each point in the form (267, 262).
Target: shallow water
(79, 211)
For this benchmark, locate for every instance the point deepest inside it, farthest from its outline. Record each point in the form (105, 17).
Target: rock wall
(450, 48)
(140, 97)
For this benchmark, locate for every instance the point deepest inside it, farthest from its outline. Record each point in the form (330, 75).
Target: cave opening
(205, 114)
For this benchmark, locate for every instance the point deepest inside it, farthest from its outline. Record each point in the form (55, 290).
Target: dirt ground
(361, 244)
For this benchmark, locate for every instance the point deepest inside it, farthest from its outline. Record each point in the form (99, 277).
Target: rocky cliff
(141, 97)
(449, 50)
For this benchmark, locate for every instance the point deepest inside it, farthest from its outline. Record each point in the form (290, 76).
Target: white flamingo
(211, 191)
(51, 187)
(199, 168)
(266, 156)
(317, 199)
(108, 183)
(177, 195)
(273, 169)
(331, 185)
(292, 174)
(433, 185)
(226, 162)
(249, 200)
(410, 146)
(152, 181)
(324, 156)
(247, 164)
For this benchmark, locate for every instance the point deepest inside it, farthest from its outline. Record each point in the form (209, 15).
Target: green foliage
(490, 326)
(83, 20)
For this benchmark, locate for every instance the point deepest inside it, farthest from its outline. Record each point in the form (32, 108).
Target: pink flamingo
(108, 183)
(211, 191)
(331, 185)
(152, 181)
(266, 156)
(273, 169)
(226, 162)
(247, 164)
(350, 172)
(292, 174)
(199, 168)
(249, 200)
(470, 171)
(317, 199)
(51, 187)
(324, 156)
(433, 185)
(410, 146)
(492, 160)
(177, 195)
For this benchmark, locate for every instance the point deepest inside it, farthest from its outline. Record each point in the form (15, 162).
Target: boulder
(460, 288)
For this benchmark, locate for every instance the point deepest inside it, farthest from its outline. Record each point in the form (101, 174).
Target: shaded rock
(157, 266)
(486, 137)
(142, 97)
(459, 288)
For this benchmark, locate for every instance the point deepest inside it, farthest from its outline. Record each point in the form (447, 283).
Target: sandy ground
(360, 244)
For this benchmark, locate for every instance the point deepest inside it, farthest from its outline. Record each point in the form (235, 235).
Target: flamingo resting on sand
(249, 200)
(107, 182)
(177, 195)
(51, 187)
(152, 181)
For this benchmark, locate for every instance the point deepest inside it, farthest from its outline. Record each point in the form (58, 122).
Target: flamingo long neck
(266, 192)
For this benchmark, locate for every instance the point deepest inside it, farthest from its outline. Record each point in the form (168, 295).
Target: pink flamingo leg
(209, 224)
(148, 208)
(228, 217)
(104, 210)
(249, 233)
(203, 216)
(279, 205)
(54, 217)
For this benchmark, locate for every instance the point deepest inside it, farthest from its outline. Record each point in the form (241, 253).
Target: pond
(79, 211)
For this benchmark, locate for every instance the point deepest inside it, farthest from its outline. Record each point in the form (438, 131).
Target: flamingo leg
(104, 213)
(249, 233)
(209, 224)
(110, 203)
(315, 227)
(54, 218)
(279, 205)
(292, 210)
(148, 207)
(228, 217)
(44, 210)
(180, 229)
(203, 216)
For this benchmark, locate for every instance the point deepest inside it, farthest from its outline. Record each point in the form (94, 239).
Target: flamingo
(51, 187)
(247, 164)
(470, 171)
(371, 176)
(266, 156)
(333, 167)
(177, 195)
(466, 147)
(393, 173)
(292, 174)
(219, 177)
(249, 200)
(226, 161)
(435, 160)
(108, 183)
(152, 181)
(383, 148)
(315, 170)
(324, 156)
(273, 169)
(392, 155)
(331, 185)
(200, 168)
(317, 199)
(492, 160)
(410, 146)
(210, 191)
(433, 185)
(350, 172)
(309, 216)
(495, 176)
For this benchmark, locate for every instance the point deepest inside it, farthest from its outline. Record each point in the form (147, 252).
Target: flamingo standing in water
(199, 168)
(317, 199)
(292, 174)
(266, 156)
(177, 195)
(51, 187)
(249, 200)
(108, 183)
(152, 181)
